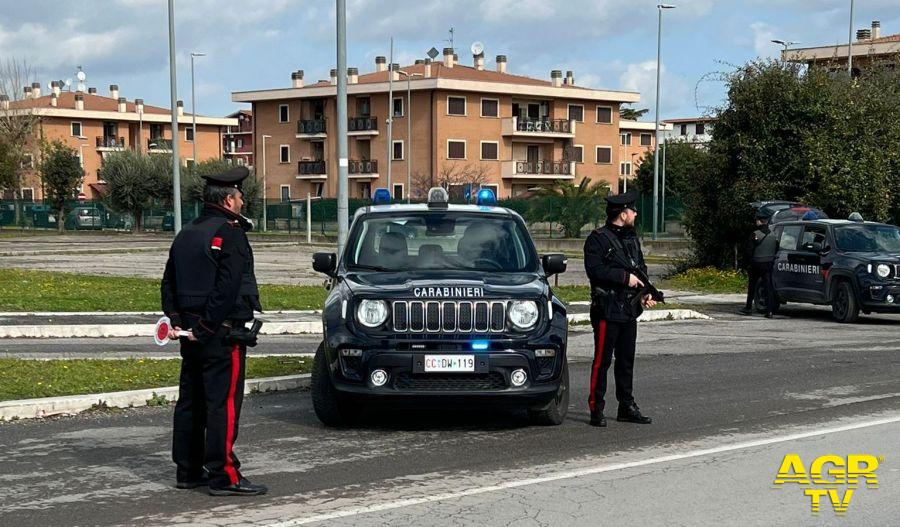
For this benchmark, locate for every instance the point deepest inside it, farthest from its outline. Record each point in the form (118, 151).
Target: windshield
(868, 238)
(465, 242)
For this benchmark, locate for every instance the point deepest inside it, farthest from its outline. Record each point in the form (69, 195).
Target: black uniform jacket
(209, 277)
(605, 270)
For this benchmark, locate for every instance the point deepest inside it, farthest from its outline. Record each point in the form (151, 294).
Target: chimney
(180, 106)
(4, 102)
(570, 78)
(35, 89)
(54, 87)
(54, 101)
(863, 34)
(448, 57)
(27, 92)
(380, 63)
(139, 105)
(333, 77)
(501, 63)
(427, 67)
(79, 101)
(297, 79)
(420, 61)
(352, 75)
(479, 61)
(113, 91)
(394, 69)
(123, 105)
(876, 29)
(92, 90)
(556, 77)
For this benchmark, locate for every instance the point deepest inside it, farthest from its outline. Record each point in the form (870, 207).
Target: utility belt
(236, 331)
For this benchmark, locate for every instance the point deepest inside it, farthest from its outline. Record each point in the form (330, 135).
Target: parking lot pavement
(707, 384)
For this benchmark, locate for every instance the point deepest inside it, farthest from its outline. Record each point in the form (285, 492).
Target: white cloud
(762, 39)
(641, 77)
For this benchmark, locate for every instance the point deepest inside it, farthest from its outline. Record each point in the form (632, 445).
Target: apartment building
(237, 142)
(97, 125)
(636, 138)
(469, 125)
(870, 46)
(697, 130)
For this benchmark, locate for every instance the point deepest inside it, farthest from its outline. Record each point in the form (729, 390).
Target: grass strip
(29, 379)
(707, 280)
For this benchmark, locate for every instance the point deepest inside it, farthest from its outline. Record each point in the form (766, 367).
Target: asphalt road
(728, 397)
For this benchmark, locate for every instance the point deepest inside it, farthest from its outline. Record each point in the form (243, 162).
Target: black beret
(620, 202)
(231, 178)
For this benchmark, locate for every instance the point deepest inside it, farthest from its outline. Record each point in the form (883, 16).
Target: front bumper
(874, 297)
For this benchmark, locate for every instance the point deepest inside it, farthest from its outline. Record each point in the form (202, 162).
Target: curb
(136, 330)
(653, 315)
(73, 404)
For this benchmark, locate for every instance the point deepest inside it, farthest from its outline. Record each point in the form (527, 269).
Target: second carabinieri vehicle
(436, 302)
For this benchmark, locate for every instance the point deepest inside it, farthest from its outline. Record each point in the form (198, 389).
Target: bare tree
(18, 140)
(454, 176)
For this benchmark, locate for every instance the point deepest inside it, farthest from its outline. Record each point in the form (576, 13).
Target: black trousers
(612, 339)
(208, 410)
(757, 272)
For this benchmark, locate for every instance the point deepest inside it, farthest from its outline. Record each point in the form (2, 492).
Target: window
(646, 140)
(812, 234)
(625, 168)
(398, 106)
(285, 151)
(578, 154)
(684, 129)
(700, 128)
(456, 105)
(604, 155)
(189, 163)
(398, 191)
(489, 150)
(576, 111)
(490, 107)
(604, 114)
(283, 115)
(189, 133)
(456, 149)
(365, 190)
(28, 160)
(240, 143)
(318, 188)
(397, 152)
(285, 193)
(76, 129)
(156, 131)
(27, 194)
(789, 237)
(625, 138)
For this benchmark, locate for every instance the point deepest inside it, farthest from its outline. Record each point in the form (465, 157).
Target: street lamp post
(408, 130)
(785, 44)
(341, 110)
(625, 184)
(194, 106)
(390, 119)
(659, 8)
(264, 137)
(173, 93)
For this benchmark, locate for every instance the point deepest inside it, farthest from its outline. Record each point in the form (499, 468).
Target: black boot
(632, 414)
(597, 419)
(745, 311)
(242, 488)
(189, 482)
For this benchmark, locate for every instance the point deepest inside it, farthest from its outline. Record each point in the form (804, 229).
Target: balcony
(311, 129)
(158, 144)
(110, 143)
(311, 169)
(317, 129)
(526, 129)
(362, 126)
(363, 169)
(538, 170)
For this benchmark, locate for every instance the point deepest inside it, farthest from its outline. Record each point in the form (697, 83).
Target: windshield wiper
(372, 268)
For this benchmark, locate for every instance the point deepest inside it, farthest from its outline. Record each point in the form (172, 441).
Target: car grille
(433, 316)
(450, 382)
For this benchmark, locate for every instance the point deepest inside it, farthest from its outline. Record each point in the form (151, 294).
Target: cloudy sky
(255, 44)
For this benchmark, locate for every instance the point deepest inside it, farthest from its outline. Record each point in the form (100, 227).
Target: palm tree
(572, 206)
(632, 114)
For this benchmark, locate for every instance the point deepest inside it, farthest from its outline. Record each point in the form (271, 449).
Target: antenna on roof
(80, 76)
(450, 40)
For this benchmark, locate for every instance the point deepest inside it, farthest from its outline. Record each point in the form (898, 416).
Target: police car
(434, 303)
(851, 265)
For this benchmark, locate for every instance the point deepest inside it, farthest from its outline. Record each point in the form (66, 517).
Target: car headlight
(523, 314)
(372, 313)
(883, 270)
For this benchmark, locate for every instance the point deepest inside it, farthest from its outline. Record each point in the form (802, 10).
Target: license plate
(449, 363)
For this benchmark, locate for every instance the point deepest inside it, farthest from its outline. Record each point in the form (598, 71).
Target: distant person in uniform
(610, 253)
(209, 289)
(761, 248)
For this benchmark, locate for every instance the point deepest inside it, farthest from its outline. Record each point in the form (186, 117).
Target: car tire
(331, 407)
(844, 307)
(554, 412)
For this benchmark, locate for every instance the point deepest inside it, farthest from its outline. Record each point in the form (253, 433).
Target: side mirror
(554, 263)
(325, 263)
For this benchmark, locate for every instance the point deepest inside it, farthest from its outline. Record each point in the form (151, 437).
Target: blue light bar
(480, 345)
(382, 196)
(485, 198)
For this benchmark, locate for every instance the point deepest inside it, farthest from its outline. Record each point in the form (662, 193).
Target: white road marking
(571, 474)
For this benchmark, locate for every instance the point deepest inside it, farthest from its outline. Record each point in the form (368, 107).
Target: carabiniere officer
(611, 254)
(209, 288)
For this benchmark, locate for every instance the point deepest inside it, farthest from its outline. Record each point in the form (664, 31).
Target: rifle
(648, 287)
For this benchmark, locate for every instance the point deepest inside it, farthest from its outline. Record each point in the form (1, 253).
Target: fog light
(518, 377)
(351, 353)
(890, 299)
(379, 377)
(545, 353)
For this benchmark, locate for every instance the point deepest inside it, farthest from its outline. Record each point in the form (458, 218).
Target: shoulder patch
(216, 243)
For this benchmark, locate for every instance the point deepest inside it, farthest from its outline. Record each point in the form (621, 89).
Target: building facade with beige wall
(96, 125)
(469, 126)
(636, 138)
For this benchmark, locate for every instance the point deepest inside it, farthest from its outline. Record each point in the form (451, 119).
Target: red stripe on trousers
(229, 414)
(598, 358)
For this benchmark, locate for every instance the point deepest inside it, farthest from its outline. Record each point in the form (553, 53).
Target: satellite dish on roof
(67, 83)
(477, 48)
(432, 53)
(80, 76)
